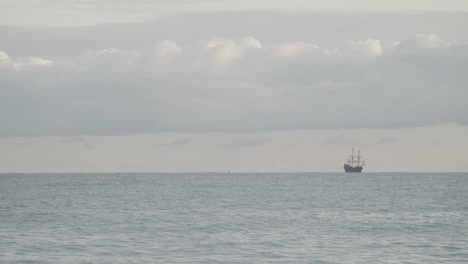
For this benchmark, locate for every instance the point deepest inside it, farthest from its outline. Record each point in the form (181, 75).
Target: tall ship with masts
(354, 163)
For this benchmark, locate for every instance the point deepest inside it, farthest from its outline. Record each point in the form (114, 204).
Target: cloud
(232, 84)
(336, 140)
(368, 47)
(340, 140)
(115, 54)
(21, 63)
(168, 48)
(31, 62)
(429, 40)
(106, 62)
(145, 7)
(5, 60)
(225, 51)
(177, 143)
(294, 49)
(421, 42)
(387, 140)
(248, 142)
(73, 140)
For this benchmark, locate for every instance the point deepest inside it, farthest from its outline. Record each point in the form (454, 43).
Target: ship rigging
(354, 163)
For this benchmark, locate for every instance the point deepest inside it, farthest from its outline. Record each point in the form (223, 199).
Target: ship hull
(348, 168)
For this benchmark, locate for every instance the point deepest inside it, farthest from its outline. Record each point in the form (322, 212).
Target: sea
(234, 218)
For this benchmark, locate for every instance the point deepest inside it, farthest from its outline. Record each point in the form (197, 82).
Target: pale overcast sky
(170, 86)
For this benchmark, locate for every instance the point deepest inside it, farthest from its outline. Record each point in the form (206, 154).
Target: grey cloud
(213, 5)
(248, 142)
(79, 141)
(110, 86)
(321, 28)
(177, 143)
(25, 143)
(387, 140)
(340, 140)
(73, 140)
(336, 140)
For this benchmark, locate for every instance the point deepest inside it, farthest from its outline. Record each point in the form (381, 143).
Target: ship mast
(355, 160)
(355, 163)
(359, 158)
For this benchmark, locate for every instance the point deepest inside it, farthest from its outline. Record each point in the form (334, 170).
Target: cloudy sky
(204, 85)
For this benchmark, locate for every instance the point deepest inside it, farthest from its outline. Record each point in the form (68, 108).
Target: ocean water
(234, 218)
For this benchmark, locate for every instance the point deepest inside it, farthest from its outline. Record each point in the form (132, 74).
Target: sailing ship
(354, 163)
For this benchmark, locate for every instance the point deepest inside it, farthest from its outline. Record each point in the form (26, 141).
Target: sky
(240, 86)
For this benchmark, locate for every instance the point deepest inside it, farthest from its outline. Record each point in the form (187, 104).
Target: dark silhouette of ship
(354, 163)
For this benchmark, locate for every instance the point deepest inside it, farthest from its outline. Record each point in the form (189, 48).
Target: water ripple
(236, 218)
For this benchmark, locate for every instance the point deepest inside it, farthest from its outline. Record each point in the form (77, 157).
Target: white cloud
(21, 63)
(112, 57)
(130, 54)
(5, 60)
(106, 51)
(420, 42)
(294, 49)
(368, 47)
(226, 51)
(168, 48)
(430, 40)
(4, 56)
(31, 62)
(289, 50)
(251, 42)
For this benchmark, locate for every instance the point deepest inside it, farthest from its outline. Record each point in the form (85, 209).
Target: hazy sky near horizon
(232, 85)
